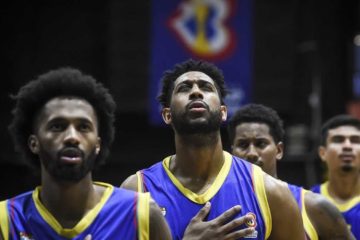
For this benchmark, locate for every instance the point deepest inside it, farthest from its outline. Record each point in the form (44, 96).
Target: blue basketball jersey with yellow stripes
(299, 195)
(120, 214)
(238, 183)
(350, 210)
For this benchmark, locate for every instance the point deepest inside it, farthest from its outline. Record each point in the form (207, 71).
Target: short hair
(337, 121)
(257, 113)
(55, 83)
(170, 76)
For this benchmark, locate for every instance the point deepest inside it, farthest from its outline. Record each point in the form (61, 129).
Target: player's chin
(348, 167)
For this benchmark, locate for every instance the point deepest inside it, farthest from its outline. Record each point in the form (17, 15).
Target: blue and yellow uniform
(120, 214)
(299, 195)
(238, 183)
(350, 210)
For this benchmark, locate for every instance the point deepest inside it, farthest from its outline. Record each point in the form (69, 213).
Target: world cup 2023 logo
(201, 27)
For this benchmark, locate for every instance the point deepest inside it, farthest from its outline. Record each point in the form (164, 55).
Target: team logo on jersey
(251, 223)
(163, 211)
(25, 236)
(201, 26)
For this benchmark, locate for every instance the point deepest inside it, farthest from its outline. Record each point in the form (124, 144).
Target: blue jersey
(350, 210)
(120, 214)
(238, 183)
(299, 195)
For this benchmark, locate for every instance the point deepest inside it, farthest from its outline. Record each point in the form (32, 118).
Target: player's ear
(280, 150)
(322, 153)
(33, 144)
(166, 115)
(98, 146)
(223, 110)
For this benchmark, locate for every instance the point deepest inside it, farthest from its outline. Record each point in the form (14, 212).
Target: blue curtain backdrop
(218, 31)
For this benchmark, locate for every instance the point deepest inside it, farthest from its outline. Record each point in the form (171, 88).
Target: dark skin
(66, 122)
(158, 225)
(325, 217)
(199, 157)
(61, 123)
(253, 142)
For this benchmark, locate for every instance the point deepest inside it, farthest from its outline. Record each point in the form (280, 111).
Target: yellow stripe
(143, 215)
(82, 224)
(308, 226)
(211, 191)
(343, 207)
(139, 182)
(201, 44)
(4, 220)
(258, 181)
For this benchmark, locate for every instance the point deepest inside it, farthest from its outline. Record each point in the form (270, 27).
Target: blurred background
(300, 57)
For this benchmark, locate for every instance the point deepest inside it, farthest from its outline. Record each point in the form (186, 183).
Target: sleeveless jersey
(350, 210)
(238, 183)
(120, 214)
(299, 195)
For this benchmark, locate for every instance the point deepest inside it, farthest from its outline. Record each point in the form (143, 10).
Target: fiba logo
(201, 27)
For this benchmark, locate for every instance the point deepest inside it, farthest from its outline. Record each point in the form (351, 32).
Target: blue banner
(218, 31)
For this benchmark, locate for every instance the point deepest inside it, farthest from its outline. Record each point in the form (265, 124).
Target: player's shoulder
(277, 191)
(314, 199)
(325, 216)
(317, 203)
(274, 185)
(130, 183)
(282, 207)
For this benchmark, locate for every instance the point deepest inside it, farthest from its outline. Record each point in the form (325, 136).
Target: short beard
(347, 168)
(183, 126)
(72, 173)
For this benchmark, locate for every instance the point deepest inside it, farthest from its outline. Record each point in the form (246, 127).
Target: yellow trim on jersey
(143, 215)
(139, 182)
(211, 191)
(4, 220)
(308, 226)
(259, 188)
(343, 207)
(83, 223)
